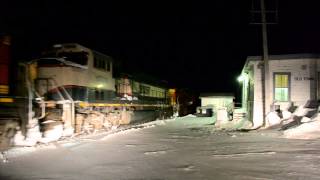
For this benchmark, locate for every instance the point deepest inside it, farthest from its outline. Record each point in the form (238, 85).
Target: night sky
(196, 45)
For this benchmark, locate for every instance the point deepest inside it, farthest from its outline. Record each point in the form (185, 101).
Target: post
(265, 70)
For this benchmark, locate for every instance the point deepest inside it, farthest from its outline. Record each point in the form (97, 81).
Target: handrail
(68, 97)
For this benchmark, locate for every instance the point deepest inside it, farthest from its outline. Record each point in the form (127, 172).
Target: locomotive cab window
(101, 64)
(76, 57)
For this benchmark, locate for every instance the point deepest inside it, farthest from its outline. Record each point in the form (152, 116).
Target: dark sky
(198, 45)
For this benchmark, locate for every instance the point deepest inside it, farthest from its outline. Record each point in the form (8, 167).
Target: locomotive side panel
(100, 70)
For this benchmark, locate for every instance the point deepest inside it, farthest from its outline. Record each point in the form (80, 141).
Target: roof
(101, 54)
(285, 56)
(145, 78)
(203, 95)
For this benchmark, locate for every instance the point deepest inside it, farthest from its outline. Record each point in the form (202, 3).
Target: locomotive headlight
(99, 86)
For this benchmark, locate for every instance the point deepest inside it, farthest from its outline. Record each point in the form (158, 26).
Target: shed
(218, 100)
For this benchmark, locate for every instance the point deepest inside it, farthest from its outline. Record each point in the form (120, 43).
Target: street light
(242, 77)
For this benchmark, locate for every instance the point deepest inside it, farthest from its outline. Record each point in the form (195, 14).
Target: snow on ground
(20, 150)
(185, 148)
(138, 128)
(310, 130)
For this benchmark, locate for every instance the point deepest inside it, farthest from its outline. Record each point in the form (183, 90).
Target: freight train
(88, 77)
(70, 90)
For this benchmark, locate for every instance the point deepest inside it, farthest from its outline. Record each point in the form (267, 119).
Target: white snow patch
(32, 137)
(273, 118)
(23, 146)
(54, 133)
(189, 115)
(309, 130)
(131, 145)
(18, 138)
(69, 131)
(286, 114)
(244, 154)
(138, 128)
(155, 152)
(19, 151)
(187, 167)
(301, 111)
(122, 132)
(306, 119)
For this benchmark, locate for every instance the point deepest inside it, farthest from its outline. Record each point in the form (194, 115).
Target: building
(215, 102)
(218, 100)
(293, 79)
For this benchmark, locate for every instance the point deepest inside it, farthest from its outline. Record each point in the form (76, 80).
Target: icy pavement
(186, 148)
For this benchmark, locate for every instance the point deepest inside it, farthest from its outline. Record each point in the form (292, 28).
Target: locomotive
(71, 89)
(87, 76)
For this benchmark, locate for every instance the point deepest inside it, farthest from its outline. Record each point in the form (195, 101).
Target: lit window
(144, 90)
(281, 86)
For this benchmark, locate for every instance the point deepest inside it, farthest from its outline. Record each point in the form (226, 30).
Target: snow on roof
(203, 95)
(285, 56)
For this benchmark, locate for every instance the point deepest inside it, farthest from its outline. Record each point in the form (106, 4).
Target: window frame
(101, 64)
(289, 85)
(108, 64)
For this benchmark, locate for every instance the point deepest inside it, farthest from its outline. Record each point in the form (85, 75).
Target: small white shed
(222, 105)
(218, 100)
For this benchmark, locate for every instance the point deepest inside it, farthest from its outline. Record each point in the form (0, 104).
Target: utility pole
(265, 74)
(265, 69)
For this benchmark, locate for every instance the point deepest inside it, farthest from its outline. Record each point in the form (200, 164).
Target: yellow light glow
(99, 86)
(172, 91)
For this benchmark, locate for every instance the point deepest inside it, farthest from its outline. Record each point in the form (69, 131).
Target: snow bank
(26, 147)
(273, 118)
(32, 137)
(138, 128)
(286, 114)
(189, 115)
(309, 130)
